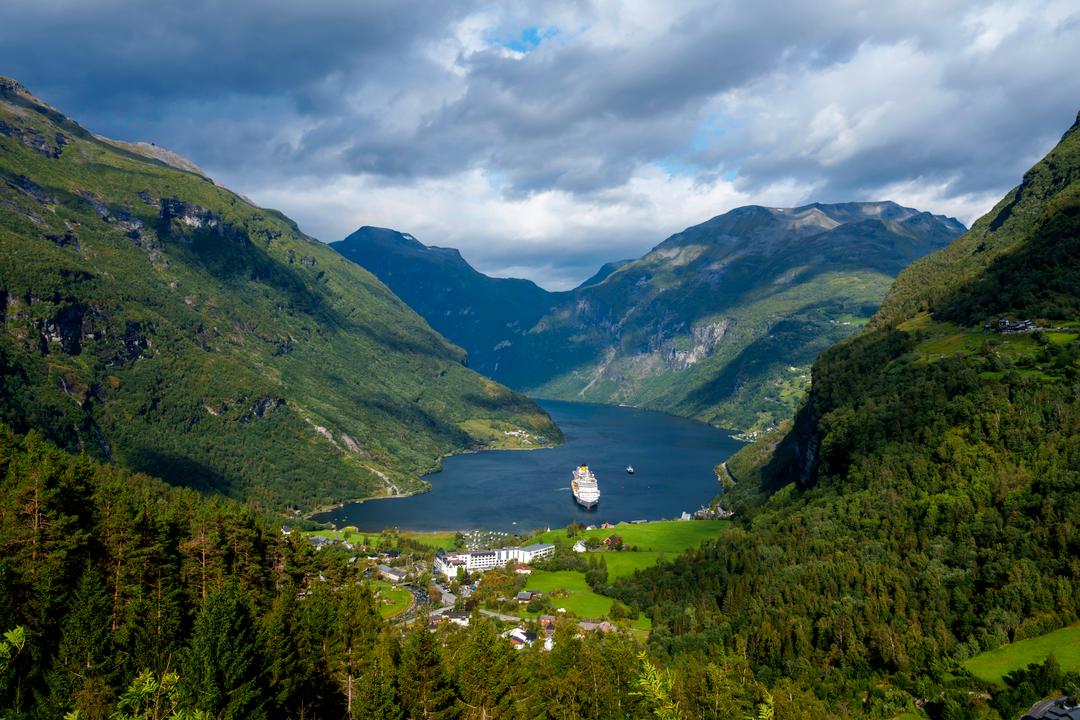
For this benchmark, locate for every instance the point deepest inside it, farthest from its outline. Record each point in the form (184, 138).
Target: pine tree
(377, 698)
(425, 690)
(224, 668)
(287, 670)
(485, 674)
(83, 670)
(353, 638)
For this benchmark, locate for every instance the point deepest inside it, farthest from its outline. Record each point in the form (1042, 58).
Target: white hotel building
(447, 564)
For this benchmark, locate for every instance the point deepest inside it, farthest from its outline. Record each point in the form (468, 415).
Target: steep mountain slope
(921, 508)
(156, 319)
(477, 312)
(718, 322)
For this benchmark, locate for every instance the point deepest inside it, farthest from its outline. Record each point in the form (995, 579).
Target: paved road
(1039, 709)
(419, 599)
(501, 616)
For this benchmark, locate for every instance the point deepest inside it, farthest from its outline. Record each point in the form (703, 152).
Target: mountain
(601, 274)
(156, 319)
(719, 322)
(477, 312)
(921, 507)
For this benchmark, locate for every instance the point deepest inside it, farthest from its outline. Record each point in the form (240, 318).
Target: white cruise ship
(584, 486)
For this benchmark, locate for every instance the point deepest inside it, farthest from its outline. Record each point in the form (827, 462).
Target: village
(528, 585)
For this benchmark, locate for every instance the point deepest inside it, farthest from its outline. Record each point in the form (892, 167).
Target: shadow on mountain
(409, 412)
(180, 470)
(230, 257)
(1038, 279)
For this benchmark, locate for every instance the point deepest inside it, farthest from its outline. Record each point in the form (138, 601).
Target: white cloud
(546, 161)
(553, 237)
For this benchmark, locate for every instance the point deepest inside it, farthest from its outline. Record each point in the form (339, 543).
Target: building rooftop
(1054, 709)
(538, 546)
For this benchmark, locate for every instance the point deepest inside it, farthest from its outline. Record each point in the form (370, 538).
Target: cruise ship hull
(584, 487)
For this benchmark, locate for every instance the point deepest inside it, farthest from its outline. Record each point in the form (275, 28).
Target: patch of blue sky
(681, 167)
(529, 39)
(709, 130)
(674, 165)
(496, 181)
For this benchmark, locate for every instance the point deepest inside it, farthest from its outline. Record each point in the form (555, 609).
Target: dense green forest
(922, 506)
(153, 318)
(126, 598)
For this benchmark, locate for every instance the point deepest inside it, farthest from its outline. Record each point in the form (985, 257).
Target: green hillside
(719, 322)
(156, 319)
(921, 508)
(476, 311)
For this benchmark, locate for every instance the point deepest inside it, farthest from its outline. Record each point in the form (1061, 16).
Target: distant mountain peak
(770, 230)
(369, 233)
(732, 305)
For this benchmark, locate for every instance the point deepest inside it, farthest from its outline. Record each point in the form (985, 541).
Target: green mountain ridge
(920, 508)
(156, 319)
(719, 322)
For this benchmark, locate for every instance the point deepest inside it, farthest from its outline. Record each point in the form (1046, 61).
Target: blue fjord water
(514, 490)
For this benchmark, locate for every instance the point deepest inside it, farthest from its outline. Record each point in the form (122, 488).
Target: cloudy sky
(544, 138)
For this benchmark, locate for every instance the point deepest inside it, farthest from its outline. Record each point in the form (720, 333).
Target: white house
(579, 546)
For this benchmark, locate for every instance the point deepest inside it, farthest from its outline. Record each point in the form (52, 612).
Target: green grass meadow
(664, 536)
(993, 665)
(656, 541)
(392, 600)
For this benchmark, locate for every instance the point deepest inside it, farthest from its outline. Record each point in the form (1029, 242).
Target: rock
(353, 446)
(30, 188)
(68, 239)
(176, 213)
(134, 344)
(262, 407)
(35, 140)
(68, 327)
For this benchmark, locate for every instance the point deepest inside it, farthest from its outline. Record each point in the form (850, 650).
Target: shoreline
(614, 526)
(436, 469)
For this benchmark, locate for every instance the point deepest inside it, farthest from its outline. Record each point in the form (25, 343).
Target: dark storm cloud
(498, 124)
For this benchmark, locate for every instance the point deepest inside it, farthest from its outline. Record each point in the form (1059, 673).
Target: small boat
(629, 469)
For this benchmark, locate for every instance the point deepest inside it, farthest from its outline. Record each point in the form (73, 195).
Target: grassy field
(621, 564)
(993, 665)
(434, 540)
(656, 541)
(1062, 338)
(665, 536)
(941, 340)
(393, 600)
(580, 599)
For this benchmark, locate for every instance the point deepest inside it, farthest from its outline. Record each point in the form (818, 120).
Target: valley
(816, 455)
(674, 460)
(719, 322)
